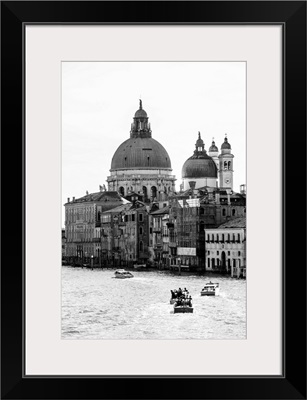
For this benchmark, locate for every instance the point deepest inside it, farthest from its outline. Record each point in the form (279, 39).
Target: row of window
(223, 237)
(228, 253)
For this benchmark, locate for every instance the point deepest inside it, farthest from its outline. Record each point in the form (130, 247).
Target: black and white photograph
(153, 200)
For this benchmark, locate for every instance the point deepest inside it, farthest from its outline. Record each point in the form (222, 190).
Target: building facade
(160, 237)
(83, 225)
(226, 248)
(125, 235)
(191, 214)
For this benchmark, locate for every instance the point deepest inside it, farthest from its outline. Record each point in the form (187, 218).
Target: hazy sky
(99, 100)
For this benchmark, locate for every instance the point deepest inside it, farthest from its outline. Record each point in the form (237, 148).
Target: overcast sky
(99, 100)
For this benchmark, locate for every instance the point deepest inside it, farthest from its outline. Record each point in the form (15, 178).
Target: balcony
(156, 230)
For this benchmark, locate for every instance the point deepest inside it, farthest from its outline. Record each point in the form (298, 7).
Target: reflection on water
(97, 306)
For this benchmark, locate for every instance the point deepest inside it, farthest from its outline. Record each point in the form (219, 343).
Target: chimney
(73, 199)
(87, 192)
(68, 199)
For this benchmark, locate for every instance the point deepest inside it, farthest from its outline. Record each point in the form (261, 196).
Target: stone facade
(226, 247)
(83, 226)
(125, 235)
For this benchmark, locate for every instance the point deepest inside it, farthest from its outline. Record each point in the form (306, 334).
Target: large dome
(140, 153)
(203, 167)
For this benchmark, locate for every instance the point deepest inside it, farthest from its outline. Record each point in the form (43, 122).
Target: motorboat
(210, 289)
(183, 309)
(122, 274)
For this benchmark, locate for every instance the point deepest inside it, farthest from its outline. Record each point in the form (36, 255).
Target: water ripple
(95, 306)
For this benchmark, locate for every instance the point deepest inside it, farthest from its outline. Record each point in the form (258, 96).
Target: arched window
(238, 237)
(153, 192)
(225, 164)
(229, 164)
(228, 237)
(223, 238)
(233, 211)
(224, 212)
(201, 211)
(141, 230)
(141, 246)
(121, 191)
(144, 192)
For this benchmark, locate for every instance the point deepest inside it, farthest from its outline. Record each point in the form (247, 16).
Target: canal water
(95, 305)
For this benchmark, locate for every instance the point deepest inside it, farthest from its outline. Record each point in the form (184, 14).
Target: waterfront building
(83, 226)
(160, 237)
(113, 238)
(141, 164)
(194, 211)
(125, 237)
(226, 248)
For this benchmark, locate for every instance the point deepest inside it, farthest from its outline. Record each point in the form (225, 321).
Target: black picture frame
(292, 16)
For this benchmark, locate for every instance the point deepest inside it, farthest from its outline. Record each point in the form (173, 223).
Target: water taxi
(182, 309)
(122, 274)
(210, 289)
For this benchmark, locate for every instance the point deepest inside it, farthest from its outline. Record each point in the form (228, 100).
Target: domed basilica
(141, 164)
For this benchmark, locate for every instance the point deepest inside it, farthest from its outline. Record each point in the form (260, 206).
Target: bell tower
(226, 166)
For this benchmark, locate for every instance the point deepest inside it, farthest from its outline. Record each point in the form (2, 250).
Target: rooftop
(234, 223)
(164, 210)
(98, 196)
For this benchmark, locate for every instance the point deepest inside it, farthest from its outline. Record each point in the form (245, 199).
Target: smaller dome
(225, 145)
(199, 168)
(140, 114)
(213, 147)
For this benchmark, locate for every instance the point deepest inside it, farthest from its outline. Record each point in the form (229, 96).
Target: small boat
(210, 289)
(122, 274)
(183, 309)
